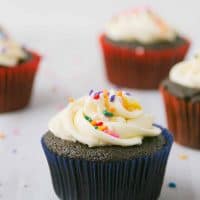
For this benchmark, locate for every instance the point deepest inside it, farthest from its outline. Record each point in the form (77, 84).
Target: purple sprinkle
(99, 92)
(3, 50)
(112, 98)
(91, 91)
(128, 94)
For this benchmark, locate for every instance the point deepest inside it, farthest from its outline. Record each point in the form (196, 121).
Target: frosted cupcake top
(141, 25)
(10, 51)
(104, 118)
(187, 73)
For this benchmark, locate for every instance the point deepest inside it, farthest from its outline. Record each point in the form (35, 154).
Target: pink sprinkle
(112, 133)
(16, 132)
(139, 51)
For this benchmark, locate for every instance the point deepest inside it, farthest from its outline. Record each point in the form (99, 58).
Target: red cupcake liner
(183, 118)
(16, 84)
(137, 67)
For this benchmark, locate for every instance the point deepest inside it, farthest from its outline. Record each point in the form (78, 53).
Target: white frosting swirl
(187, 73)
(127, 127)
(10, 51)
(141, 25)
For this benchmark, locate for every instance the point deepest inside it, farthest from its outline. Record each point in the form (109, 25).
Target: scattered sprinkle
(54, 89)
(25, 186)
(14, 151)
(183, 157)
(16, 132)
(112, 98)
(107, 113)
(172, 185)
(2, 136)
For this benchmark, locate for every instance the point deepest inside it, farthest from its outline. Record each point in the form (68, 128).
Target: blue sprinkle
(90, 93)
(172, 185)
(112, 98)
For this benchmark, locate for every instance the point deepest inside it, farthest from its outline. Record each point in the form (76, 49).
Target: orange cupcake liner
(183, 118)
(16, 84)
(138, 67)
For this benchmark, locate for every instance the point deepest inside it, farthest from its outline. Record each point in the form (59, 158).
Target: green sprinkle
(107, 114)
(96, 127)
(88, 118)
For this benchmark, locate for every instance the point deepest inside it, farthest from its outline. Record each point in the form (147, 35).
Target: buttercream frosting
(104, 118)
(140, 24)
(10, 51)
(187, 73)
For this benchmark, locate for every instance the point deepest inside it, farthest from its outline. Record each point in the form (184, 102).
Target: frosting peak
(187, 73)
(141, 25)
(104, 118)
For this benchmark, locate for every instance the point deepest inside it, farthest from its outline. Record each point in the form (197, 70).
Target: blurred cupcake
(104, 146)
(18, 67)
(139, 49)
(181, 93)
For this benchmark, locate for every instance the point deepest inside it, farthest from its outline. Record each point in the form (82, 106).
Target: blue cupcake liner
(137, 179)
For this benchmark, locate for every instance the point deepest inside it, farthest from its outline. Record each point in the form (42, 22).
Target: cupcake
(139, 48)
(181, 94)
(104, 146)
(18, 67)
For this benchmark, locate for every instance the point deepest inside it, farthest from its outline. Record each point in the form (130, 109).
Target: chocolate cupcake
(181, 93)
(140, 41)
(103, 146)
(18, 67)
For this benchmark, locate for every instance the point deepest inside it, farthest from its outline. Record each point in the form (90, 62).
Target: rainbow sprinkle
(99, 125)
(107, 113)
(112, 98)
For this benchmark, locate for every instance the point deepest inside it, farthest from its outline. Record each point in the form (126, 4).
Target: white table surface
(71, 66)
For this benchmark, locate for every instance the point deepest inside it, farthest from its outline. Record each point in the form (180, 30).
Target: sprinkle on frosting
(104, 118)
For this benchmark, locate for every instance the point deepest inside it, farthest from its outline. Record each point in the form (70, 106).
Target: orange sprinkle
(103, 128)
(2, 136)
(111, 109)
(119, 93)
(93, 122)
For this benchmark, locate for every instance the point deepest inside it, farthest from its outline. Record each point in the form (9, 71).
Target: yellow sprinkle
(93, 122)
(183, 157)
(71, 99)
(103, 128)
(131, 104)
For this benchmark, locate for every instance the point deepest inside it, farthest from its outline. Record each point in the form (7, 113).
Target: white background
(65, 33)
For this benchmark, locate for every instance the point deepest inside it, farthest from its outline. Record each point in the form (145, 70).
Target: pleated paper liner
(138, 179)
(16, 84)
(183, 117)
(137, 67)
